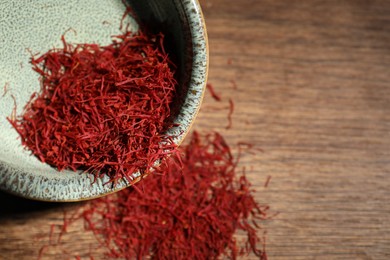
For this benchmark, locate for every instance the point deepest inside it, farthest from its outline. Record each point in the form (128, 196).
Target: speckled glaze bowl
(38, 26)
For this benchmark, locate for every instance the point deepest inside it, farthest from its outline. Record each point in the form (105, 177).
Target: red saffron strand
(52, 226)
(5, 89)
(231, 110)
(216, 96)
(267, 181)
(42, 251)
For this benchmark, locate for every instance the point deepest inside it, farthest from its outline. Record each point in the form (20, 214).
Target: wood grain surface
(313, 91)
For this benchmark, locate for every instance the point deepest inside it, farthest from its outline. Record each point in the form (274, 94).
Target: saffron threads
(183, 211)
(216, 96)
(101, 109)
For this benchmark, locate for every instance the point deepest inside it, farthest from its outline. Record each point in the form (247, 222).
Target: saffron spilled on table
(190, 208)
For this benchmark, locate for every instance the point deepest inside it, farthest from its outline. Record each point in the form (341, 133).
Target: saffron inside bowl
(38, 28)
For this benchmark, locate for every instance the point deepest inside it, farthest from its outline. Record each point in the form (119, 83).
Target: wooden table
(313, 91)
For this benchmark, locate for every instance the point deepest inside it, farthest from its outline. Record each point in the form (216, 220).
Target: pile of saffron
(188, 210)
(101, 109)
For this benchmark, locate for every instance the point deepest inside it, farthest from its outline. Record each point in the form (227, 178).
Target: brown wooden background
(313, 91)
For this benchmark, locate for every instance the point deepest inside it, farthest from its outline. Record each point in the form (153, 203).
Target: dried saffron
(188, 210)
(231, 110)
(216, 96)
(5, 88)
(267, 181)
(101, 109)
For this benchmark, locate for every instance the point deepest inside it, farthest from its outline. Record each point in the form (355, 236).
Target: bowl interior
(38, 27)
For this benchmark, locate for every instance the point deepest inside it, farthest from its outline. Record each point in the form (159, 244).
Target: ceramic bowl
(38, 26)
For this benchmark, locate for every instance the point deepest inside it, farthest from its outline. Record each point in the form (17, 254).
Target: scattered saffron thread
(5, 89)
(267, 181)
(216, 96)
(42, 251)
(231, 110)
